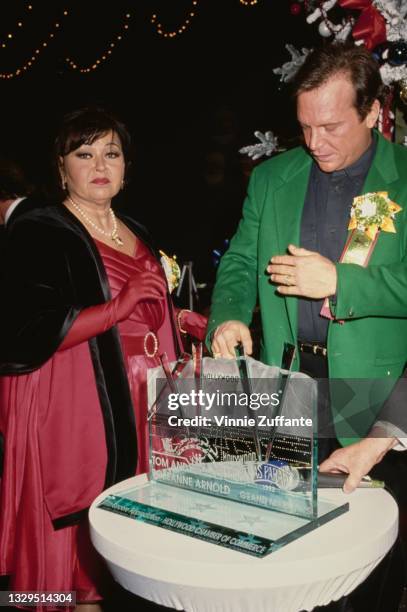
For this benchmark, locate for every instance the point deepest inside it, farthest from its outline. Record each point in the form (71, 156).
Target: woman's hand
(192, 323)
(96, 320)
(139, 288)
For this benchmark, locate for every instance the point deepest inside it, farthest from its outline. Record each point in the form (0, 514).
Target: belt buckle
(152, 335)
(319, 350)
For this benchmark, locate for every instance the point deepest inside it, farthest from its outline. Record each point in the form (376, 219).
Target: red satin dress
(146, 318)
(44, 416)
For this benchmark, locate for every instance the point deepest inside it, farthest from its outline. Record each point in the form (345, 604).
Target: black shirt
(324, 228)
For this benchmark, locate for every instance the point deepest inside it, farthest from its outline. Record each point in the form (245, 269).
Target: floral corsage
(373, 211)
(171, 269)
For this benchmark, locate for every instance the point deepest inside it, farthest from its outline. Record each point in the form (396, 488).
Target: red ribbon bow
(370, 26)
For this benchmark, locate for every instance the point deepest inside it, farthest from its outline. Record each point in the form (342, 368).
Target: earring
(122, 186)
(63, 180)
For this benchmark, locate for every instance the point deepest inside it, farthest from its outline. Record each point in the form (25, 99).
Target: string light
(248, 2)
(10, 35)
(35, 54)
(102, 58)
(181, 29)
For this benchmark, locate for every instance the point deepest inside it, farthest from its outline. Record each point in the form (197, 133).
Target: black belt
(314, 348)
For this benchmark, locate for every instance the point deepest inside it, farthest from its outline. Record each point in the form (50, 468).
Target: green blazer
(372, 343)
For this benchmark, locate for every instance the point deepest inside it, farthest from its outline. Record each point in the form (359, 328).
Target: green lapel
(383, 170)
(289, 203)
(382, 174)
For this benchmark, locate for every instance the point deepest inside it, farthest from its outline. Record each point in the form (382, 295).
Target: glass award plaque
(233, 455)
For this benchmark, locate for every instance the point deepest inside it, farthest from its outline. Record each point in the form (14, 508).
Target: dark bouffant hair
(84, 126)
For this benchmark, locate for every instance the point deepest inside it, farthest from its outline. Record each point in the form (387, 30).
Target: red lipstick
(100, 181)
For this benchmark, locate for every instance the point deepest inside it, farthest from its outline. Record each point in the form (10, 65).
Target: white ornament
(394, 12)
(288, 70)
(392, 74)
(324, 30)
(344, 32)
(319, 12)
(268, 144)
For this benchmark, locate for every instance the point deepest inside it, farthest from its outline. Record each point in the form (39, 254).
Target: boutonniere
(370, 213)
(373, 211)
(171, 269)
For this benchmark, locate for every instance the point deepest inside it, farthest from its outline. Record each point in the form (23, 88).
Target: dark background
(190, 102)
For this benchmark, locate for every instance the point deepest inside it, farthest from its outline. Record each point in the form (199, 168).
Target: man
(304, 197)
(15, 193)
(285, 252)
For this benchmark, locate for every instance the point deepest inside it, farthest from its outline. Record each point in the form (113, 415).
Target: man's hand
(303, 273)
(227, 336)
(357, 459)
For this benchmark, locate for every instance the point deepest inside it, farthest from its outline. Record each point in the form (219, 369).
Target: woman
(87, 311)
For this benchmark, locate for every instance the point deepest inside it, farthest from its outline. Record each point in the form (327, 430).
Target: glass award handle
(171, 376)
(197, 354)
(197, 351)
(247, 389)
(287, 361)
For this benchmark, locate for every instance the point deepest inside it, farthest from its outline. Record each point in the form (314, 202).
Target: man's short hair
(13, 182)
(347, 59)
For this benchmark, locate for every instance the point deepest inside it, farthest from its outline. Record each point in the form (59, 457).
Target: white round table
(187, 574)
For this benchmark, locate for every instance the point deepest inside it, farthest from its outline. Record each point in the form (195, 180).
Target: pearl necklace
(113, 235)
